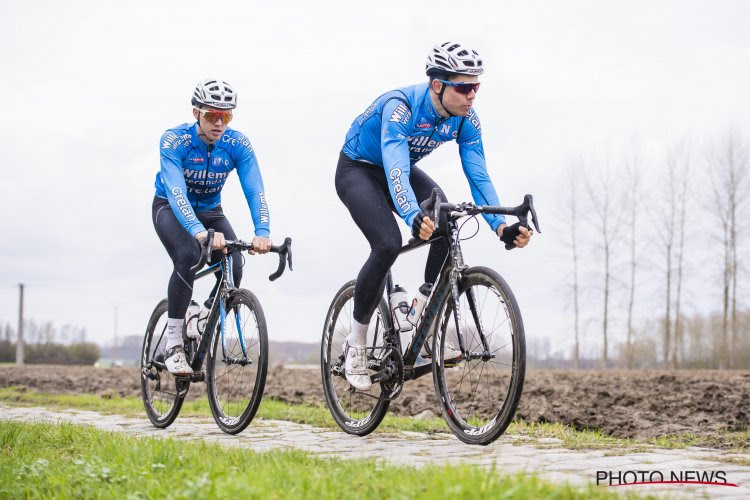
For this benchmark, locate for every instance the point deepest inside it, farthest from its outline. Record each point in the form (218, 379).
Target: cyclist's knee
(186, 256)
(387, 250)
(237, 268)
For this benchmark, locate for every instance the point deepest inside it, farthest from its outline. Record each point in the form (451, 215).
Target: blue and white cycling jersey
(400, 128)
(193, 173)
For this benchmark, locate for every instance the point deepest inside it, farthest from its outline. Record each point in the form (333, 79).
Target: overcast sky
(89, 87)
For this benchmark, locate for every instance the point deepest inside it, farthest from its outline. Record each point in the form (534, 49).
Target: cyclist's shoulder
(413, 95)
(470, 122)
(401, 104)
(177, 137)
(235, 141)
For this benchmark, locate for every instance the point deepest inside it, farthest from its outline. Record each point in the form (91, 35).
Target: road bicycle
(234, 336)
(470, 309)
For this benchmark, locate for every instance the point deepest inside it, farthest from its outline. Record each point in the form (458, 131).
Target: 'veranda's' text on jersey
(400, 128)
(193, 173)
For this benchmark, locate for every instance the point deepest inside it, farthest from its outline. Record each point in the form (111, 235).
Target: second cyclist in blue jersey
(377, 175)
(196, 160)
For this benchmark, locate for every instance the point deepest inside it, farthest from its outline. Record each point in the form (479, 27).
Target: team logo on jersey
(474, 120)
(424, 125)
(399, 190)
(183, 204)
(196, 159)
(241, 140)
(401, 114)
(445, 128)
(263, 209)
(217, 160)
(173, 141)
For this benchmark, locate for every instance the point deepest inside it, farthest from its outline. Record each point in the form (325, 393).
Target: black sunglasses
(462, 87)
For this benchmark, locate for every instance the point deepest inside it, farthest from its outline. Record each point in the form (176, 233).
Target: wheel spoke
(479, 393)
(235, 389)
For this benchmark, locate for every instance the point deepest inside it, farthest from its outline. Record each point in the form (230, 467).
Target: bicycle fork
(223, 299)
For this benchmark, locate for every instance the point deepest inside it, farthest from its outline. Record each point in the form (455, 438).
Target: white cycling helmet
(215, 93)
(453, 57)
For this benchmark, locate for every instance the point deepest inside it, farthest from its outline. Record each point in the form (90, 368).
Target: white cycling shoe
(176, 362)
(356, 367)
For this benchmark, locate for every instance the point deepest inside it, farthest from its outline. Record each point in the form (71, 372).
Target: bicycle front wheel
(162, 394)
(479, 396)
(237, 364)
(356, 412)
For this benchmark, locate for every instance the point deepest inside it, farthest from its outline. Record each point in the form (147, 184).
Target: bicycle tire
(162, 394)
(354, 412)
(237, 373)
(482, 414)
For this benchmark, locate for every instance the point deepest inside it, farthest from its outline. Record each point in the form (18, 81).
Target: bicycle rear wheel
(354, 411)
(162, 394)
(237, 363)
(479, 396)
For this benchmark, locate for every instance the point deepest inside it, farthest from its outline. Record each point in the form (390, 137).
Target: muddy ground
(621, 404)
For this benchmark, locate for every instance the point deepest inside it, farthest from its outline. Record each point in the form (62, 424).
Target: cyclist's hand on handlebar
(218, 243)
(422, 227)
(261, 244)
(516, 234)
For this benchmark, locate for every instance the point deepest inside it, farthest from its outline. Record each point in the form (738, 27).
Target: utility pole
(19, 340)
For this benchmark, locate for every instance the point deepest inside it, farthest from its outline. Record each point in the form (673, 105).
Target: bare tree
(679, 163)
(667, 208)
(730, 190)
(633, 199)
(573, 213)
(607, 215)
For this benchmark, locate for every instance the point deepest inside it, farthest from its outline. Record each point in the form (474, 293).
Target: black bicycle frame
(441, 289)
(223, 291)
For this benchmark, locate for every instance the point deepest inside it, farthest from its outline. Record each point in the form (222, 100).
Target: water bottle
(203, 318)
(400, 308)
(191, 320)
(417, 305)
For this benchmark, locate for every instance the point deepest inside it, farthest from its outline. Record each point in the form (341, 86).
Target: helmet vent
(453, 57)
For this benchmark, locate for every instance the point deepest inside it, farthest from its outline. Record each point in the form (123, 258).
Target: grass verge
(543, 435)
(70, 461)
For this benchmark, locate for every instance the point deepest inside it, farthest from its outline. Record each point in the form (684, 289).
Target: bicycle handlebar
(284, 250)
(433, 206)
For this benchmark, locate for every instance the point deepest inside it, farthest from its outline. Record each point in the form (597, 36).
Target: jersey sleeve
(395, 149)
(174, 183)
(471, 150)
(252, 185)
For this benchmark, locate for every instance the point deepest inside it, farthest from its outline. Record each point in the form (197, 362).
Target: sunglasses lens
(465, 88)
(213, 116)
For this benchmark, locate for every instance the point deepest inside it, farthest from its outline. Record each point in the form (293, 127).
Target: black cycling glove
(509, 235)
(416, 223)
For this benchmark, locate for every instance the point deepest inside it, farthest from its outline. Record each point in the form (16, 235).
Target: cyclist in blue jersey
(196, 159)
(377, 175)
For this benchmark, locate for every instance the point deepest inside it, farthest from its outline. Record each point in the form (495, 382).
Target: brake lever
(529, 201)
(285, 256)
(206, 250)
(431, 206)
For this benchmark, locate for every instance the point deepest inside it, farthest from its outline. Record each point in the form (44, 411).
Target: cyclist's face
(456, 103)
(210, 129)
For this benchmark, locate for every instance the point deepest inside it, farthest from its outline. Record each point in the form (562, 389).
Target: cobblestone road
(544, 458)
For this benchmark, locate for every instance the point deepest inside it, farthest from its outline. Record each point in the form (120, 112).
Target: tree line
(654, 257)
(45, 343)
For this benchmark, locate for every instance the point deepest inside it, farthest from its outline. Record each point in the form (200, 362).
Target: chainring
(392, 387)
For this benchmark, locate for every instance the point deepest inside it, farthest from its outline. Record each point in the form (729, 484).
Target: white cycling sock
(174, 332)
(358, 335)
